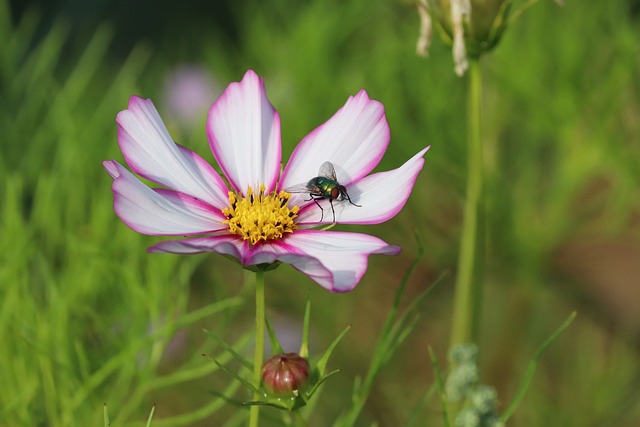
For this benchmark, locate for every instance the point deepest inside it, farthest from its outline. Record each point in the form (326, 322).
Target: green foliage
(87, 317)
(86, 314)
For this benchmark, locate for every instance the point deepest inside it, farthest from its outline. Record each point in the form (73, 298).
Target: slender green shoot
(440, 387)
(322, 363)
(276, 348)
(258, 358)
(243, 361)
(153, 409)
(106, 415)
(467, 293)
(531, 369)
(304, 347)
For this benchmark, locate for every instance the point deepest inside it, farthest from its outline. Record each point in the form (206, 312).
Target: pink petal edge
(159, 211)
(244, 135)
(381, 196)
(335, 260)
(354, 139)
(150, 151)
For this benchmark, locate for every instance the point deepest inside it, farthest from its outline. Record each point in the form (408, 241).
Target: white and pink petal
(343, 254)
(159, 211)
(248, 255)
(244, 135)
(224, 244)
(380, 196)
(335, 260)
(151, 152)
(354, 140)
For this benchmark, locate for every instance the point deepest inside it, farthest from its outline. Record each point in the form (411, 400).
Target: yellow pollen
(260, 217)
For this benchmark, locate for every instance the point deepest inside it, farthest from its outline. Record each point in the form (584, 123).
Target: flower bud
(472, 27)
(284, 374)
(484, 21)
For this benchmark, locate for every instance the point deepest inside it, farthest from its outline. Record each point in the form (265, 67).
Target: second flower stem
(259, 350)
(467, 293)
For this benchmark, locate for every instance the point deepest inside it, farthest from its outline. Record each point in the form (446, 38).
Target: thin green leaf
(265, 403)
(392, 335)
(228, 399)
(276, 348)
(304, 347)
(106, 415)
(396, 300)
(153, 409)
(208, 310)
(116, 362)
(322, 380)
(237, 377)
(400, 337)
(247, 364)
(195, 372)
(531, 369)
(440, 387)
(416, 412)
(322, 363)
(201, 413)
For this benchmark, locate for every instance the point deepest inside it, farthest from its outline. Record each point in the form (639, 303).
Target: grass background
(87, 317)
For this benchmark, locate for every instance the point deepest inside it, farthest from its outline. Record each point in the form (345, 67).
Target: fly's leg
(315, 200)
(332, 211)
(349, 199)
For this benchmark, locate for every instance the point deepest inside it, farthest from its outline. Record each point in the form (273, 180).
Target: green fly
(324, 186)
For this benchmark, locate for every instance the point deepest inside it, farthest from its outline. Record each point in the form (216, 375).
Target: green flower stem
(467, 294)
(258, 358)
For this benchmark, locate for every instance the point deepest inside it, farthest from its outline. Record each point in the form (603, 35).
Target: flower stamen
(260, 217)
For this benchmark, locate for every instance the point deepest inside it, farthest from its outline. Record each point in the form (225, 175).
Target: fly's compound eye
(335, 192)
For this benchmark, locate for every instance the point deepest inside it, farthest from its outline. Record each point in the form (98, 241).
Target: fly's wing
(308, 188)
(299, 188)
(327, 171)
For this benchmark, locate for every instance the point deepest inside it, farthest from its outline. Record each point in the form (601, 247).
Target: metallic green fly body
(324, 186)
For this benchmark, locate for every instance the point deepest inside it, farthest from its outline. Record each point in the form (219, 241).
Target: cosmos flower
(248, 215)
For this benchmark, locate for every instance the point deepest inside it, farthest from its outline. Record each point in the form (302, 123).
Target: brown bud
(285, 373)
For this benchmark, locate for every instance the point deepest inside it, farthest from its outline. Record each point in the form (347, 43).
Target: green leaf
(440, 387)
(106, 416)
(246, 363)
(153, 409)
(304, 347)
(276, 348)
(322, 380)
(531, 369)
(322, 363)
(237, 377)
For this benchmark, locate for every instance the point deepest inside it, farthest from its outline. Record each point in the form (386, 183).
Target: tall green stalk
(258, 357)
(467, 294)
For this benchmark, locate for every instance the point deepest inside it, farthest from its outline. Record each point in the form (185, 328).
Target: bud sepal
(289, 379)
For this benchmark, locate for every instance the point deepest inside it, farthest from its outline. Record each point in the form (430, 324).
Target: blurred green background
(87, 317)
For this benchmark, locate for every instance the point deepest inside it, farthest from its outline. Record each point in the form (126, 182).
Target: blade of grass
(153, 409)
(440, 387)
(322, 363)
(243, 361)
(304, 347)
(276, 348)
(531, 369)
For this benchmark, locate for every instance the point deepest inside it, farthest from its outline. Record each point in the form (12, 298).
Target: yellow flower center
(260, 217)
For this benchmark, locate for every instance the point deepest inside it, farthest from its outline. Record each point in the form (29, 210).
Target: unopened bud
(284, 374)
(472, 27)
